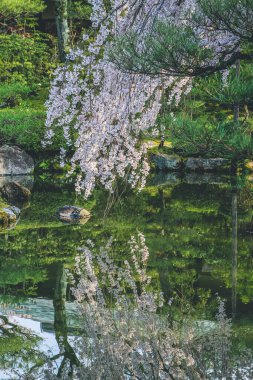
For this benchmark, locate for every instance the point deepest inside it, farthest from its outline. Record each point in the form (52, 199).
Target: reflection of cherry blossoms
(129, 334)
(123, 335)
(127, 331)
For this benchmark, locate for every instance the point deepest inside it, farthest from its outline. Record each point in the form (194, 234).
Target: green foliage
(23, 127)
(79, 10)
(231, 15)
(235, 89)
(17, 341)
(12, 94)
(165, 48)
(26, 63)
(26, 59)
(209, 138)
(17, 8)
(19, 16)
(204, 124)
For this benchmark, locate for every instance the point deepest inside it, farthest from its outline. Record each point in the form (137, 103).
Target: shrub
(26, 59)
(11, 94)
(17, 8)
(205, 138)
(24, 127)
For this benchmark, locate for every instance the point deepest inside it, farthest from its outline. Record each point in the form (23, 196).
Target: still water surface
(199, 231)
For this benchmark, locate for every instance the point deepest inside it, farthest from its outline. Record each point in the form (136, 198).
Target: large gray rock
(23, 180)
(73, 214)
(206, 164)
(166, 162)
(14, 161)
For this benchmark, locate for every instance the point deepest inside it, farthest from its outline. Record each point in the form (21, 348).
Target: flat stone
(206, 164)
(14, 161)
(72, 214)
(166, 162)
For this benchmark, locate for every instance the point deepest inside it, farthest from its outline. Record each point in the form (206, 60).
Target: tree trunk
(236, 105)
(61, 18)
(234, 252)
(236, 117)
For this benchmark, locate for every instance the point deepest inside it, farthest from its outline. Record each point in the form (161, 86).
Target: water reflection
(189, 227)
(128, 332)
(18, 348)
(234, 251)
(67, 353)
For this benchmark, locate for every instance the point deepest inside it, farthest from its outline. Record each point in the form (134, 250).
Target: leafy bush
(16, 8)
(12, 94)
(205, 138)
(24, 127)
(26, 59)
(226, 91)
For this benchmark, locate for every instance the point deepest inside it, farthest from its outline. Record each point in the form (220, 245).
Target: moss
(167, 149)
(3, 204)
(249, 165)
(4, 219)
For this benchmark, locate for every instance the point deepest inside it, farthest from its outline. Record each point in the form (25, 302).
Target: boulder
(9, 216)
(13, 209)
(14, 161)
(23, 180)
(73, 214)
(4, 218)
(13, 191)
(166, 162)
(206, 164)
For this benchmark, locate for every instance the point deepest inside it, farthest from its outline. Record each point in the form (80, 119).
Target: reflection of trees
(127, 335)
(69, 357)
(234, 251)
(66, 358)
(185, 225)
(200, 231)
(17, 345)
(184, 228)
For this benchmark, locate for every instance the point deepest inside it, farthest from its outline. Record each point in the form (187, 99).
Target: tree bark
(236, 118)
(236, 105)
(61, 19)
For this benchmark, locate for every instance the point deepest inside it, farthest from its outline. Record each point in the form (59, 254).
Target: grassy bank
(23, 124)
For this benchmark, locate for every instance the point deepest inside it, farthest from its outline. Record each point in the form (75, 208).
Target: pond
(199, 232)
